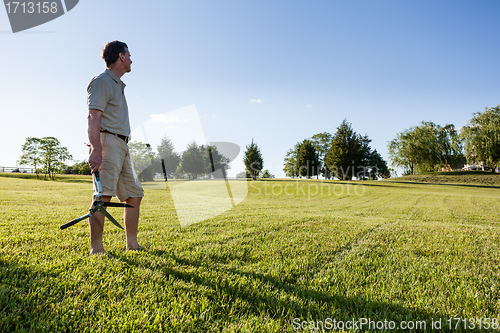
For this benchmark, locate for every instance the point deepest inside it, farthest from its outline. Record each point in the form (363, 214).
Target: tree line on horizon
(47, 155)
(343, 155)
(427, 147)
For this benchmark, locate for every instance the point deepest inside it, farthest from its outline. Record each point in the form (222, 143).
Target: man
(109, 131)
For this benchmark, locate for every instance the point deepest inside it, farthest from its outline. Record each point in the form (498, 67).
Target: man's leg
(96, 224)
(131, 219)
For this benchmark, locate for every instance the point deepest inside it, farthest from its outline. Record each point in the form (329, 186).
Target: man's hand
(95, 160)
(94, 132)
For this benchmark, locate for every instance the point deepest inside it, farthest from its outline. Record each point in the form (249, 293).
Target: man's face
(127, 61)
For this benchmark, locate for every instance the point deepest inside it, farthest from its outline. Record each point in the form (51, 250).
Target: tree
(79, 168)
(307, 160)
(481, 136)
(266, 174)
(75, 168)
(291, 161)
(365, 153)
(450, 144)
(253, 160)
(53, 155)
(145, 161)
(242, 174)
(85, 169)
(346, 156)
(425, 148)
(31, 153)
(215, 161)
(202, 160)
(378, 166)
(142, 156)
(322, 143)
(179, 173)
(403, 151)
(167, 152)
(193, 161)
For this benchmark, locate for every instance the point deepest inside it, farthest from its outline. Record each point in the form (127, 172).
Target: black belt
(123, 137)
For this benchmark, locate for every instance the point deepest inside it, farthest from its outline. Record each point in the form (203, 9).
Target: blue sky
(382, 65)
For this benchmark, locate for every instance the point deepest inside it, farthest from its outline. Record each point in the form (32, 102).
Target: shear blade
(111, 218)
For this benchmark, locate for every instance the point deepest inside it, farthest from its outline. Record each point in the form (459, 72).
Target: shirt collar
(113, 76)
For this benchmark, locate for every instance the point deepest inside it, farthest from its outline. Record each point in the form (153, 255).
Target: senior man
(109, 131)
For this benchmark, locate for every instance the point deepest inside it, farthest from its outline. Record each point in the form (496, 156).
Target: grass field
(406, 249)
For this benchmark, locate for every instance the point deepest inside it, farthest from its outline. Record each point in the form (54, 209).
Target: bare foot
(100, 253)
(135, 248)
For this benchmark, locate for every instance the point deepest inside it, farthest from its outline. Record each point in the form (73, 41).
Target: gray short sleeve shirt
(106, 93)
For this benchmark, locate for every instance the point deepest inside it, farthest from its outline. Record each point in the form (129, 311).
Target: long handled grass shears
(99, 205)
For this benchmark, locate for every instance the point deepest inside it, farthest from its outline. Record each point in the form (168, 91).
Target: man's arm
(94, 132)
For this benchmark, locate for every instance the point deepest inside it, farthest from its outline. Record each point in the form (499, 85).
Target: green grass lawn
(399, 250)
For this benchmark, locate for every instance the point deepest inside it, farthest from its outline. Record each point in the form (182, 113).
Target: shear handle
(116, 204)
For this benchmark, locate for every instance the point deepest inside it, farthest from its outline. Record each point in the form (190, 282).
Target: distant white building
(474, 166)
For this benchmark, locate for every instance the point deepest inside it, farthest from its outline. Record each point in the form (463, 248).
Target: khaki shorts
(118, 177)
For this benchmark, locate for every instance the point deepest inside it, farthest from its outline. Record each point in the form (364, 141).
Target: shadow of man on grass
(293, 304)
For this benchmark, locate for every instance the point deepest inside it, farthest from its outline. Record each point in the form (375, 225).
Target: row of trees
(344, 155)
(430, 147)
(47, 155)
(423, 148)
(79, 168)
(195, 162)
